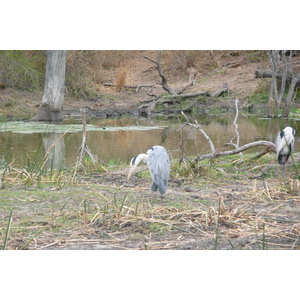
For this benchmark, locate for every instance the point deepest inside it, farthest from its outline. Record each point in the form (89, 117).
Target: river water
(126, 141)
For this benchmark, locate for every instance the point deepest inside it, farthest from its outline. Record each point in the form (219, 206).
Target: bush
(24, 70)
(85, 70)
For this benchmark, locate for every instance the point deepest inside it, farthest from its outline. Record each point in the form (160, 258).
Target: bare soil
(219, 205)
(236, 69)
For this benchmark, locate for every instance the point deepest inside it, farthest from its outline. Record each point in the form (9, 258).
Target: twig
(136, 87)
(84, 147)
(53, 144)
(7, 229)
(236, 126)
(196, 125)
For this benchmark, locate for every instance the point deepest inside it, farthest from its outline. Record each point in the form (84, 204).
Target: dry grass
(177, 62)
(262, 215)
(86, 70)
(121, 78)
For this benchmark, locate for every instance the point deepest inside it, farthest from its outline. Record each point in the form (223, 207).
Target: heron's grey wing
(154, 187)
(159, 167)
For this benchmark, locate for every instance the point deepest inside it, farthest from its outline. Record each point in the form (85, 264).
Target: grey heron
(158, 163)
(285, 144)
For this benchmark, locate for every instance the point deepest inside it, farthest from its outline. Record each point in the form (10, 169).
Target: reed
(264, 238)
(7, 230)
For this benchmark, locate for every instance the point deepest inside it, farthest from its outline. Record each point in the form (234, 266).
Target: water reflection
(123, 145)
(54, 147)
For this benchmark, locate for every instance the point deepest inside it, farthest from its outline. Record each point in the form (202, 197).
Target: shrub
(24, 70)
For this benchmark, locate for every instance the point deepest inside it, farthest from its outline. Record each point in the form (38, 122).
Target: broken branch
(136, 87)
(201, 93)
(216, 153)
(270, 148)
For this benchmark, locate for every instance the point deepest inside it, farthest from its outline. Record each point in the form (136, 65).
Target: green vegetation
(24, 70)
(261, 94)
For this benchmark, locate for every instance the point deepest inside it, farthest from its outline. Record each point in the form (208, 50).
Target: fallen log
(268, 74)
(136, 87)
(188, 95)
(270, 148)
(221, 92)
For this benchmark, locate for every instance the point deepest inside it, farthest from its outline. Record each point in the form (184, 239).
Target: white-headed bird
(285, 144)
(158, 162)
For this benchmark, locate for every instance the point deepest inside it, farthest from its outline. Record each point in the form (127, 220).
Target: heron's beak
(130, 172)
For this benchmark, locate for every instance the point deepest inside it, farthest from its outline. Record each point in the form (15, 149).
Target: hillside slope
(237, 69)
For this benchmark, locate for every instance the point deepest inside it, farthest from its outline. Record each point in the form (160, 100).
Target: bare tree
(276, 100)
(173, 93)
(53, 97)
(179, 91)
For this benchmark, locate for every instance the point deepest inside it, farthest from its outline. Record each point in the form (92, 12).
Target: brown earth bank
(222, 203)
(235, 69)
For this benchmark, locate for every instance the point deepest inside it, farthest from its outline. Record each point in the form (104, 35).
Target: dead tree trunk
(276, 97)
(173, 93)
(53, 97)
(164, 80)
(268, 74)
(274, 101)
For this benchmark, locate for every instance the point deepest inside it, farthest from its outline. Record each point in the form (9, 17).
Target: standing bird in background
(285, 144)
(158, 163)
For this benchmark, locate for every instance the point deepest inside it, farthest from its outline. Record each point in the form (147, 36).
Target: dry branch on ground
(217, 153)
(268, 74)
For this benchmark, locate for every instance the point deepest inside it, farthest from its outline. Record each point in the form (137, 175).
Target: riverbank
(236, 71)
(221, 203)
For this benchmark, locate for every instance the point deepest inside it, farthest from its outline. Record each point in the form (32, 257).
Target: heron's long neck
(141, 157)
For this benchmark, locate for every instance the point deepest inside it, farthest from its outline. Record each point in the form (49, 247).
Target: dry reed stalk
(53, 144)
(121, 78)
(84, 147)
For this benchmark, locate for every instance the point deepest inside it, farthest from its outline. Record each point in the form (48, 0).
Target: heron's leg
(161, 198)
